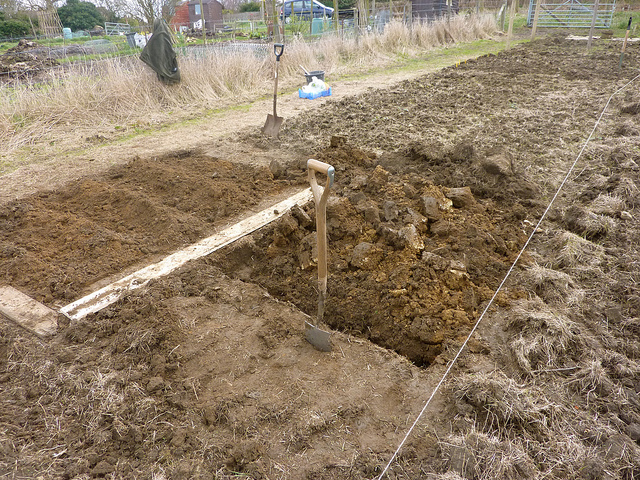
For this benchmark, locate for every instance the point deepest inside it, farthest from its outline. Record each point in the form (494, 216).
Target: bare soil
(440, 180)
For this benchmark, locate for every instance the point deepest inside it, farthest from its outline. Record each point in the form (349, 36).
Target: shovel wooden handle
(320, 196)
(626, 35)
(278, 50)
(624, 44)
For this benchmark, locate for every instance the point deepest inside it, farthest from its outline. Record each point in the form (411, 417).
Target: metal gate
(116, 28)
(571, 13)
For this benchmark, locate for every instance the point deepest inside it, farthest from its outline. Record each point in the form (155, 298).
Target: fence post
(204, 32)
(593, 23)
(512, 15)
(33, 28)
(535, 19)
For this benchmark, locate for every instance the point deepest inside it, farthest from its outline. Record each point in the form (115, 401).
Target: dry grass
(552, 285)
(503, 402)
(397, 38)
(487, 457)
(587, 223)
(546, 340)
(573, 250)
(524, 431)
(629, 190)
(119, 96)
(610, 205)
(593, 378)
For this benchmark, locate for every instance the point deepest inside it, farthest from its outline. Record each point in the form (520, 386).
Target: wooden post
(276, 27)
(535, 19)
(512, 14)
(204, 32)
(593, 23)
(367, 11)
(336, 15)
(33, 28)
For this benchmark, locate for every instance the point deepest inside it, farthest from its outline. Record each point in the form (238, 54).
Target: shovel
(314, 335)
(272, 125)
(624, 44)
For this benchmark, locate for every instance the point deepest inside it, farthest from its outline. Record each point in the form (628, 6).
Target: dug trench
(411, 261)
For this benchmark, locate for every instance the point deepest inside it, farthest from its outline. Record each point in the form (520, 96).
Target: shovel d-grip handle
(320, 167)
(278, 50)
(320, 196)
(626, 35)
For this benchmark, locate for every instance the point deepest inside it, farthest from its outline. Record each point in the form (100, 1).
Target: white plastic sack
(140, 40)
(316, 86)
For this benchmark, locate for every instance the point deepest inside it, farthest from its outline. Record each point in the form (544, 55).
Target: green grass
(7, 45)
(59, 41)
(621, 20)
(520, 22)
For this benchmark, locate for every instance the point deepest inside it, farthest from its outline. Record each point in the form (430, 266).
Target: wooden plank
(99, 299)
(27, 312)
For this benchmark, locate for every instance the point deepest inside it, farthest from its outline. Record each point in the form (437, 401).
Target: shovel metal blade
(318, 338)
(272, 125)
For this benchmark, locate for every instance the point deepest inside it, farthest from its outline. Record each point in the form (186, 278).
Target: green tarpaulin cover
(158, 53)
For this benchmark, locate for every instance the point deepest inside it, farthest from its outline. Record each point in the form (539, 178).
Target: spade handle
(320, 196)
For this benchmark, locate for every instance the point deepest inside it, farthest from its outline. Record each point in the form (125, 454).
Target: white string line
(446, 373)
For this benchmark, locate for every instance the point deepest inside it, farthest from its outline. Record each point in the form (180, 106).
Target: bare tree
(38, 4)
(9, 6)
(233, 4)
(121, 8)
(169, 9)
(147, 10)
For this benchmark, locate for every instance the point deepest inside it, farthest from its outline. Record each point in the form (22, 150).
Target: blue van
(303, 9)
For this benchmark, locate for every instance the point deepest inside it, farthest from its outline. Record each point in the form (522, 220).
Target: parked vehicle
(304, 9)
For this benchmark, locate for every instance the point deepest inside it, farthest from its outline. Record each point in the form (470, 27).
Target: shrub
(249, 7)
(80, 15)
(13, 28)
